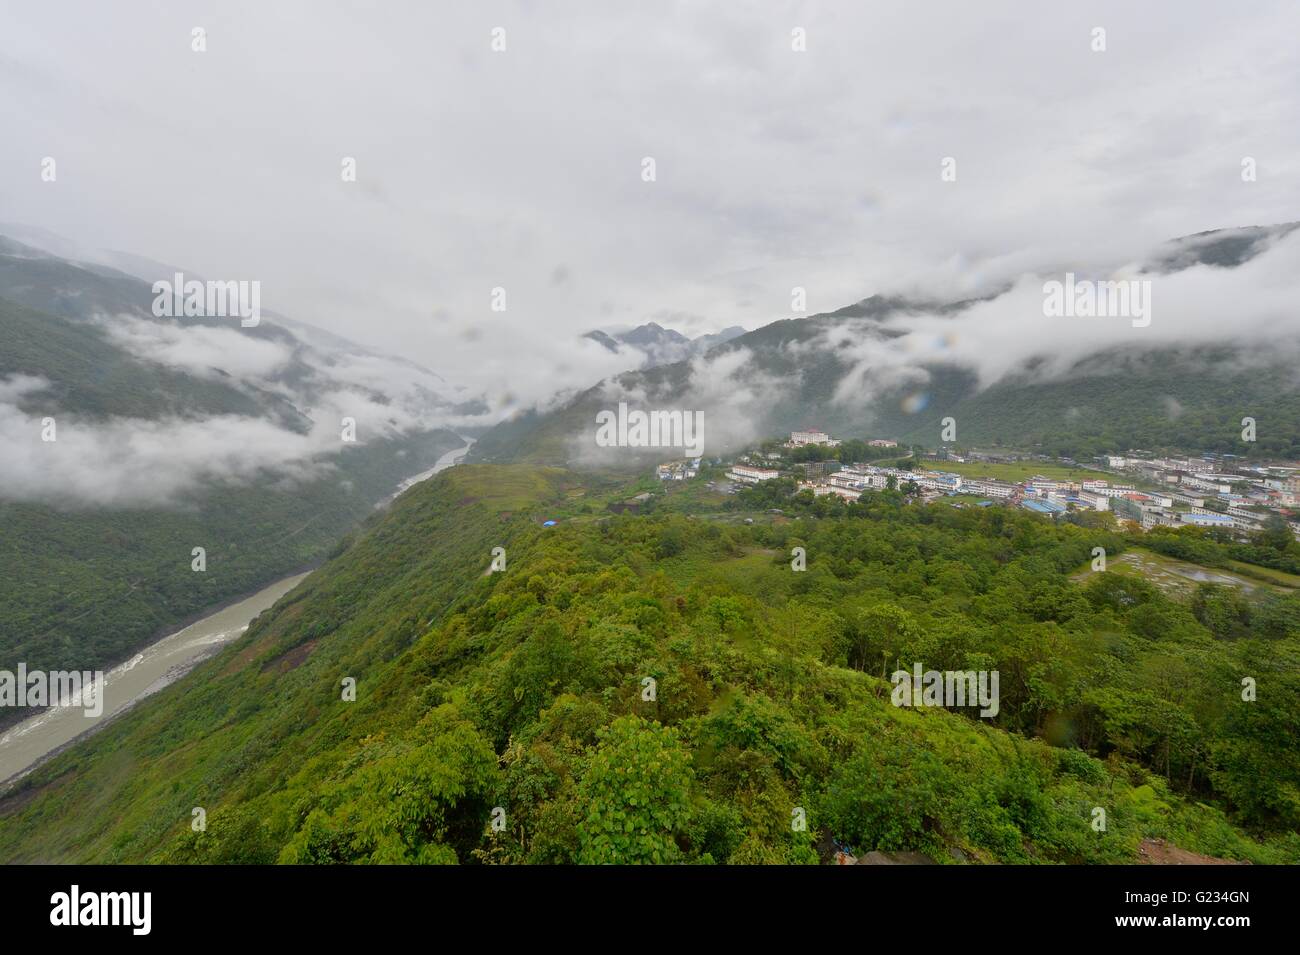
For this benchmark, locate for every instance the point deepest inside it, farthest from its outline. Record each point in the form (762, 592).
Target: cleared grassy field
(1280, 577)
(1017, 472)
(513, 487)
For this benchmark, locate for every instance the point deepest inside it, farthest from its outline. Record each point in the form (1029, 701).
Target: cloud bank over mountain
(1251, 306)
(1247, 306)
(775, 169)
(210, 402)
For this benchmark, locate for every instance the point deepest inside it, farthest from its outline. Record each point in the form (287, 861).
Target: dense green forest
(521, 696)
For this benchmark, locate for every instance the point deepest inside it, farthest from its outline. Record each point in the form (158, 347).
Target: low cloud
(121, 461)
(1252, 307)
(201, 350)
(138, 462)
(725, 391)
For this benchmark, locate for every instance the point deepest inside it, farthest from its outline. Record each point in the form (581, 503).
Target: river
(25, 744)
(444, 462)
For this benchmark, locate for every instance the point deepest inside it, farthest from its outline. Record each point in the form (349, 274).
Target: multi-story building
(822, 490)
(1139, 509)
(748, 474)
(1116, 490)
(1247, 520)
(852, 479)
(944, 481)
(1094, 500)
(1206, 483)
(800, 438)
(989, 488)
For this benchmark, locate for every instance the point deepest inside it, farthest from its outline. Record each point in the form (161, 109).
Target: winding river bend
(26, 744)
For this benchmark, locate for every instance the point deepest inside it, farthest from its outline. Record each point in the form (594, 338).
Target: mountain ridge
(1081, 410)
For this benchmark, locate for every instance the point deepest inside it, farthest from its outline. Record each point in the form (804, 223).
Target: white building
(751, 475)
(1116, 490)
(1242, 518)
(822, 490)
(988, 488)
(1206, 483)
(858, 480)
(1096, 501)
(800, 438)
(937, 480)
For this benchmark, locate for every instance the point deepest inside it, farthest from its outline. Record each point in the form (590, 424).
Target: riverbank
(29, 743)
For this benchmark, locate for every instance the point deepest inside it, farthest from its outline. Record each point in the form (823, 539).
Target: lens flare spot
(916, 402)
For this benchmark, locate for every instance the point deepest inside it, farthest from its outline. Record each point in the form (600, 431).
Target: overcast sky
(523, 169)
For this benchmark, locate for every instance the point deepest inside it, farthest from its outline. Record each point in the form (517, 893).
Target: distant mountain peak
(658, 345)
(652, 333)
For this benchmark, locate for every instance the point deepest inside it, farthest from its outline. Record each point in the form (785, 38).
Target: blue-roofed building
(1043, 507)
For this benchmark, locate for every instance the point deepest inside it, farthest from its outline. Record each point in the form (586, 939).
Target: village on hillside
(1140, 488)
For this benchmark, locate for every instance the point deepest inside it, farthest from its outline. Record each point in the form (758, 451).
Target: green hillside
(524, 691)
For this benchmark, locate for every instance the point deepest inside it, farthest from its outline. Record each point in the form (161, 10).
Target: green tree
(637, 793)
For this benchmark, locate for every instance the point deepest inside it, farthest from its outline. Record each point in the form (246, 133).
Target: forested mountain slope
(524, 691)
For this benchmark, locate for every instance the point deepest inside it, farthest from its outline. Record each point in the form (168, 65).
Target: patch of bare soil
(1159, 852)
(292, 659)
